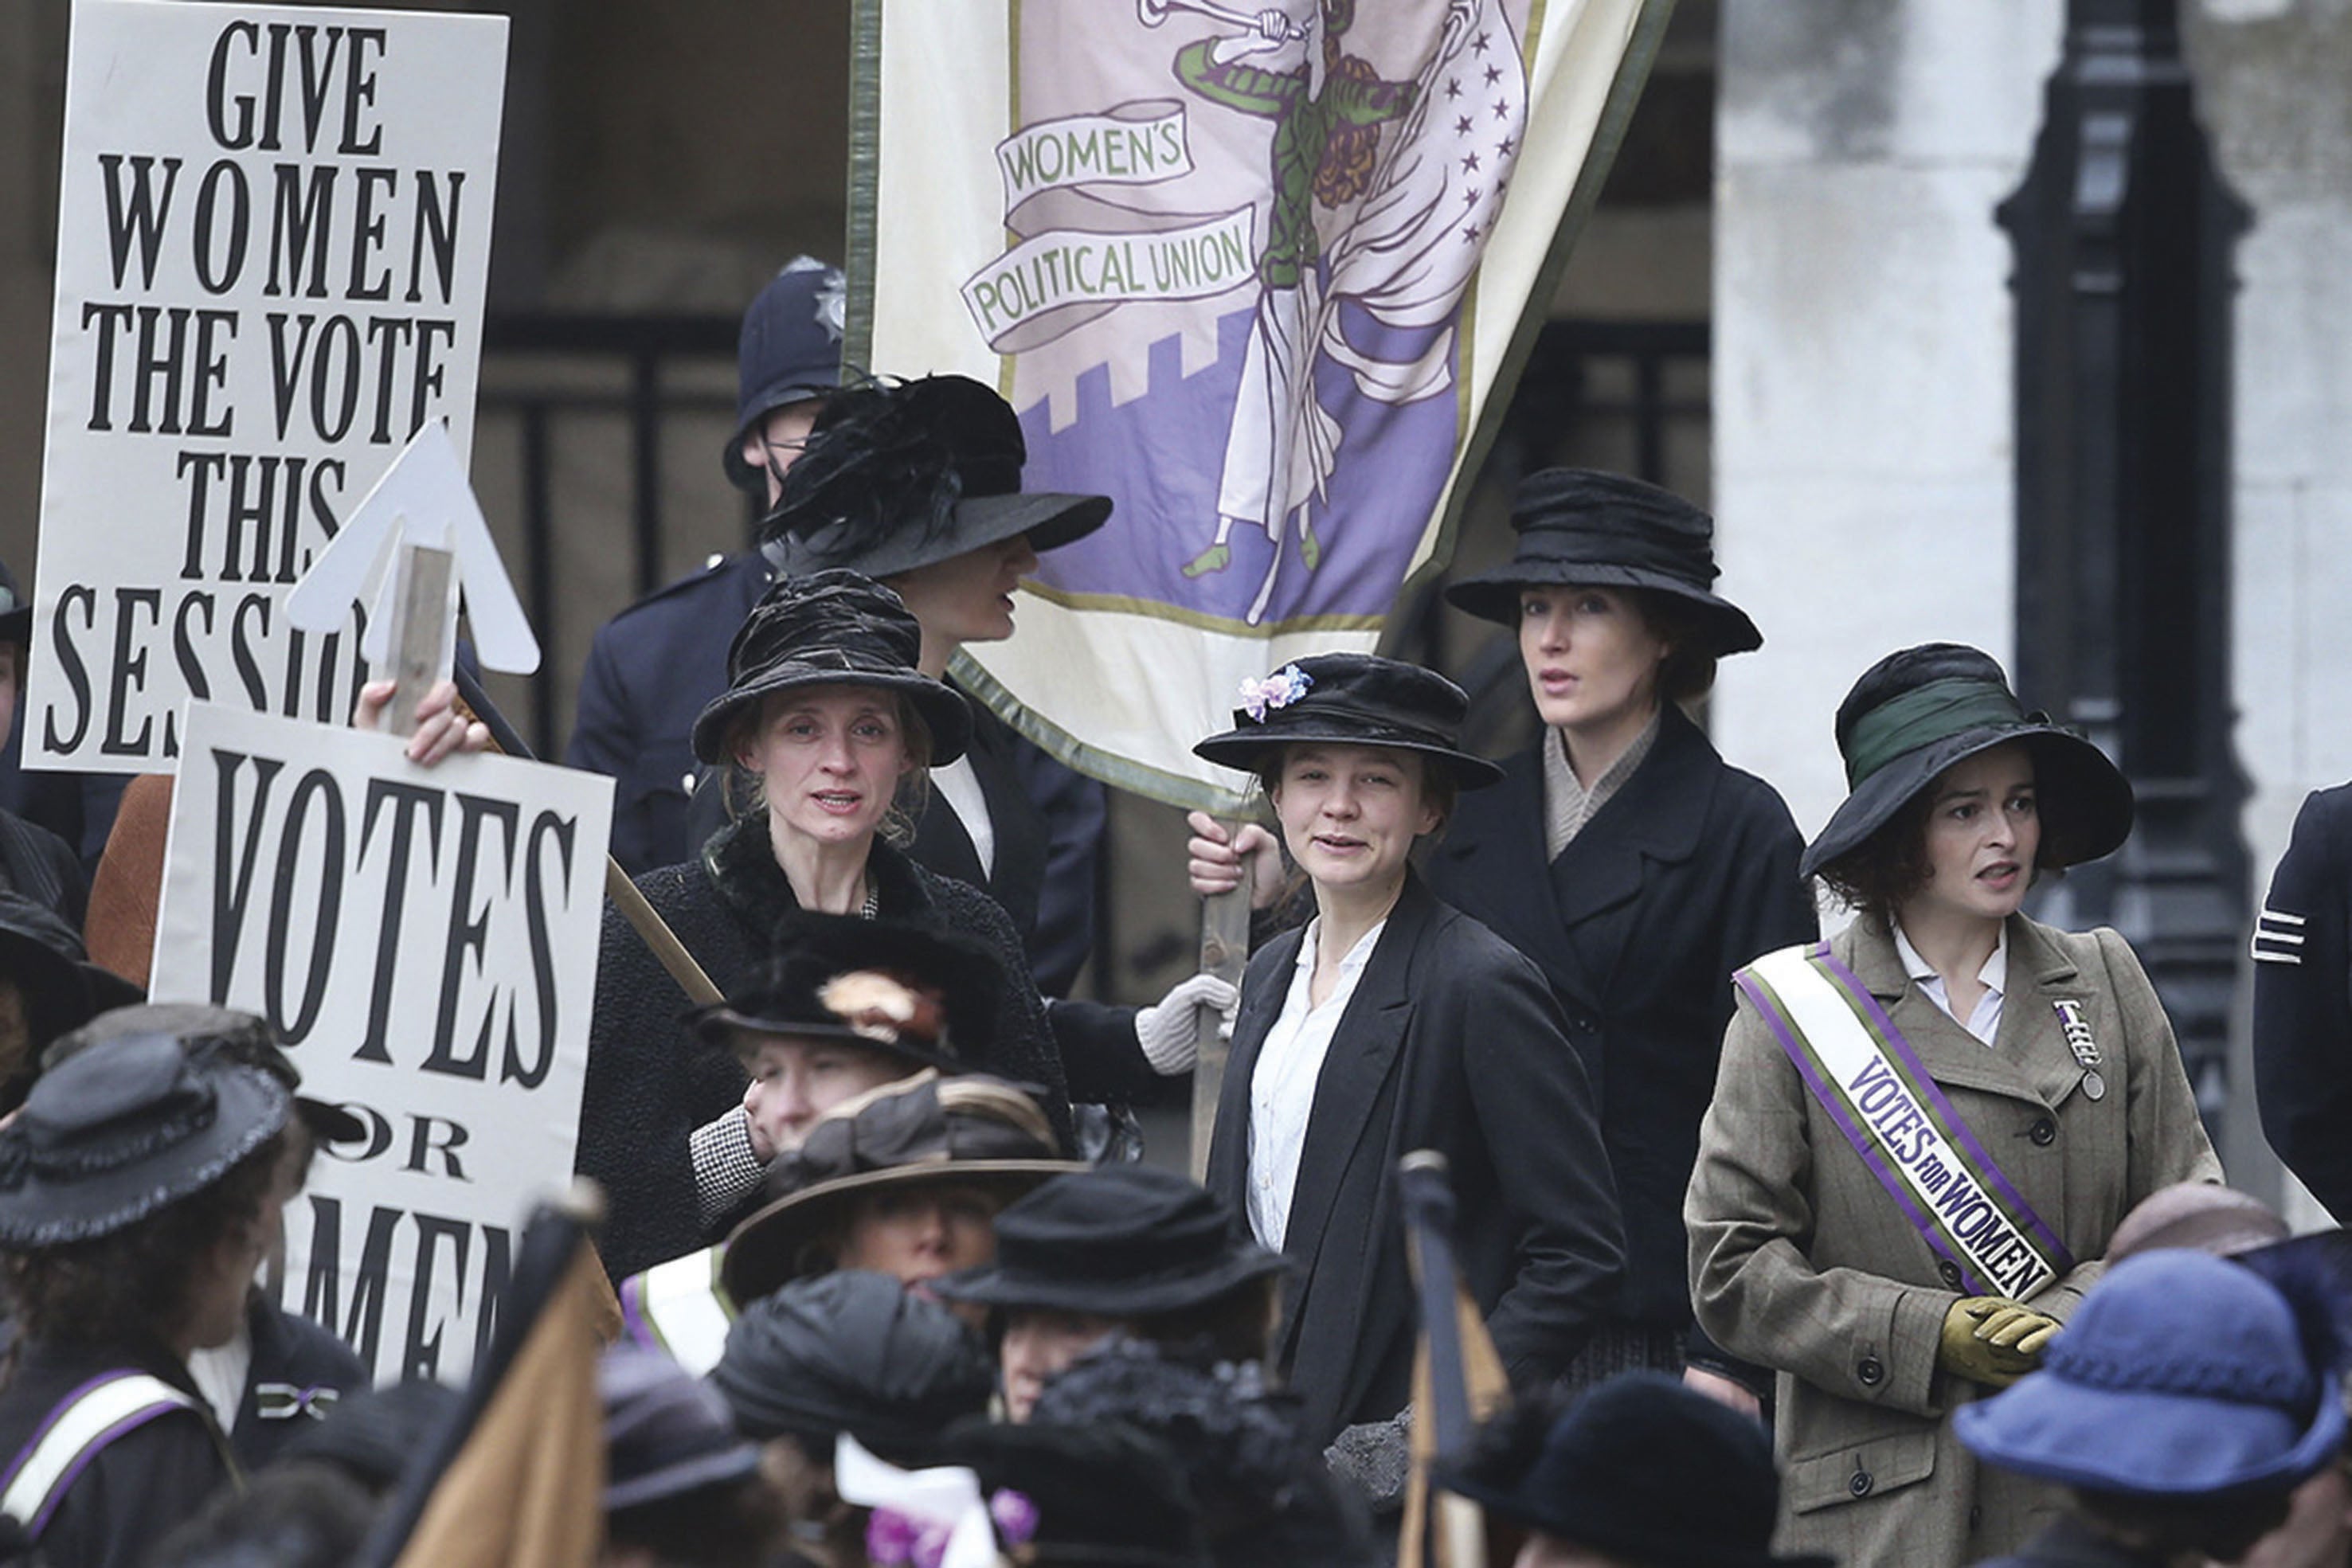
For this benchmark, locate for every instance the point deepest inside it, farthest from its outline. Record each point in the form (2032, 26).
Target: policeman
(652, 667)
(2303, 1001)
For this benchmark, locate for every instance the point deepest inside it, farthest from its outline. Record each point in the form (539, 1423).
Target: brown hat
(970, 1128)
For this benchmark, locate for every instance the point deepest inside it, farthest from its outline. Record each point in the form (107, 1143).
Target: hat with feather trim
(122, 1131)
(1919, 712)
(899, 475)
(831, 628)
(926, 995)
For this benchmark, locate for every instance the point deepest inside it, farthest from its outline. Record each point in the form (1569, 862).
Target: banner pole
(1225, 953)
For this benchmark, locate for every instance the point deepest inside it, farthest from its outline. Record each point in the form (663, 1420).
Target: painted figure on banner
(1354, 159)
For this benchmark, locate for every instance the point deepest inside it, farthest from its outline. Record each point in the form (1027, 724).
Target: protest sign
(425, 939)
(273, 242)
(1261, 273)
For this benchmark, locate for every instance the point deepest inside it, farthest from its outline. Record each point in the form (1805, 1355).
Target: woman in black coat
(1624, 855)
(1392, 1023)
(825, 705)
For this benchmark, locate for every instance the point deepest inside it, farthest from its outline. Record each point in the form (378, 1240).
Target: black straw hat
(972, 1130)
(122, 1131)
(899, 474)
(1352, 699)
(921, 993)
(831, 628)
(1642, 1470)
(1119, 1242)
(788, 352)
(240, 1036)
(1581, 526)
(852, 1352)
(1918, 712)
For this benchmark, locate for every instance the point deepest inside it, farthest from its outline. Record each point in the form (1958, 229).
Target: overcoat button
(1949, 1273)
(1871, 1371)
(1860, 1485)
(2044, 1132)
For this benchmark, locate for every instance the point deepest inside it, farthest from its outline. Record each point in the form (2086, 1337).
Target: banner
(425, 939)
(273, 241)
(1262, 273)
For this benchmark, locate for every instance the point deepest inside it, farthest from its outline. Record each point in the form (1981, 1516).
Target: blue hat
(789, 352)
(2181, 1376)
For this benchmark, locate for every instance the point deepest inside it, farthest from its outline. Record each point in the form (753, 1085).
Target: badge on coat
(2079, 1041)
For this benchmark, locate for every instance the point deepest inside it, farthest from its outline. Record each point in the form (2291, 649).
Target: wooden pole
(1225, 953)
(424, 633)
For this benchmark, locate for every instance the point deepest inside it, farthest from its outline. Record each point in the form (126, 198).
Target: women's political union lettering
(1273, 262)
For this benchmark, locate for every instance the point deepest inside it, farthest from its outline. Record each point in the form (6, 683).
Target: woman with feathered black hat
(1927, 1129)
(1624, 855)
(1393, 1023)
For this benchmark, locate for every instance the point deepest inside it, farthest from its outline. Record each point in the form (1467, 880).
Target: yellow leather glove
(1992, 1340)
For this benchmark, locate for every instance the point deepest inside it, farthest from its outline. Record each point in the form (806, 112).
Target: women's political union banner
(1255, 272)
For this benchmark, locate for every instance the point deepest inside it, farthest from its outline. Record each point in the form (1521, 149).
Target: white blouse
(1282, 1086)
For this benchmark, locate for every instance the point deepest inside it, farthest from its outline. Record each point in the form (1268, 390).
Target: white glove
(1169, 1029)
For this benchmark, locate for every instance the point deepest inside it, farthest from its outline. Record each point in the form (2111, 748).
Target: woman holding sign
(825, 709)
(1925, 1130)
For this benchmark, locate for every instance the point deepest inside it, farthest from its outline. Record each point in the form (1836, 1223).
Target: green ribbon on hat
(1924, 715)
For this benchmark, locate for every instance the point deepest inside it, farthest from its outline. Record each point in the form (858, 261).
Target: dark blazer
(1686, 874)
(2303, 1001)
(1452, 1043)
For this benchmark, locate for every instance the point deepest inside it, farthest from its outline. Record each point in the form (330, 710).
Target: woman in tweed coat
(2052, 1049)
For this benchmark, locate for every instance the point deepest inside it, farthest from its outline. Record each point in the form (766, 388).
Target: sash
(679, 1308)
(1870, 1081)
(84, 1422)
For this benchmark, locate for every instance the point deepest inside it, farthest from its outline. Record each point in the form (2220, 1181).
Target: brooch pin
(2079, 1041)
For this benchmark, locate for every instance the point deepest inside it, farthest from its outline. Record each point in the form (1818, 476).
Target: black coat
(654, 666)
(2303, 1001)
(1686, 874)
(1452, 1043)
(651, 1082)
(35, 862)
(141, 1486)
(290, 1353)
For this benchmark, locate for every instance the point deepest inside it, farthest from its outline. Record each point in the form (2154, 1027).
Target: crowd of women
(869, 1212)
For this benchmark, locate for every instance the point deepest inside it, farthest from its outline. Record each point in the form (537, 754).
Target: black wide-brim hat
(900, 475)
(1919, 712)
(946, 1018)
(1645, 1470)
(1352, 699)
(831, 628)
(122, 1131)
(1581, 528)
(1117, 1241)
(970, 1130)
(242, 1037)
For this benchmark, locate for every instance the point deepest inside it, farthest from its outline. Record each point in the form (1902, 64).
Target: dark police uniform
(2303, 1001)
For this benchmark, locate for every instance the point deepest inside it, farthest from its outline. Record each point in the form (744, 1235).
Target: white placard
(426, 941)
(273, 243)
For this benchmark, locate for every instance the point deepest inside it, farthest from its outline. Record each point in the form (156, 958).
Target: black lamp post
(2122, 232)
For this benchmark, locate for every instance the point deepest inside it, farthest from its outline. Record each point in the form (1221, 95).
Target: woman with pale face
(831, 725)
(1620, 852)
(2025, 1074)
(1392, 1023)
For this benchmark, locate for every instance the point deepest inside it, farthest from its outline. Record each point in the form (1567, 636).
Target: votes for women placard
(426, 941)
(273, 241)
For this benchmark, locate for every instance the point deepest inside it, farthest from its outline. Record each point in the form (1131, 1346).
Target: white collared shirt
(1984, 1020)
(959, 786)
(1282, 1086)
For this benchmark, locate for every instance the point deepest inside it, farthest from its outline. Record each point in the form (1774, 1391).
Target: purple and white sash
(1870, 1080)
